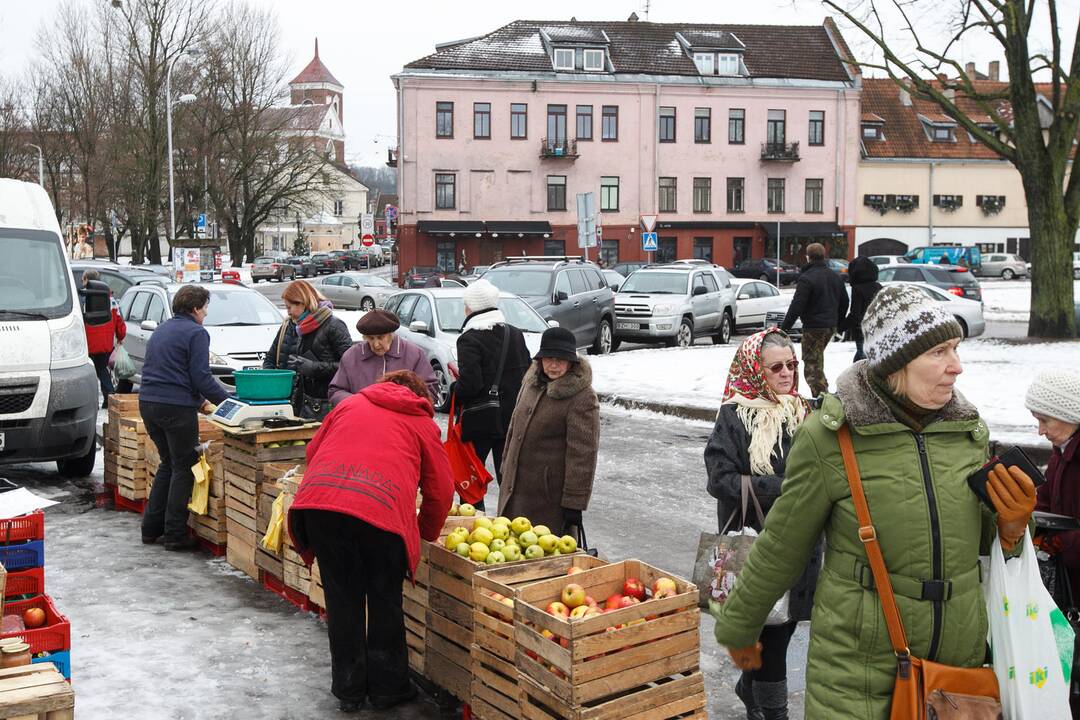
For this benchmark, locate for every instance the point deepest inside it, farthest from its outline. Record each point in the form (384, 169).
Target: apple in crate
(579, 612)
(573, 595)
(519, 525)
(575, 570)
(628, 601)
(534, 552)
(614, 602)
(512, 553)
(664, 587)
(634, 588)
(558, 609)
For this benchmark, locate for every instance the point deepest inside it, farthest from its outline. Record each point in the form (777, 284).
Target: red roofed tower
(316, 85)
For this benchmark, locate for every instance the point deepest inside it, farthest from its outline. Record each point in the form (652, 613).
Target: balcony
(558, 148)
(780, 152)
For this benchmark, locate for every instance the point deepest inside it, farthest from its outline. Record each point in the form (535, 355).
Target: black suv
(325, 264)
(765, 269)
(565, 289)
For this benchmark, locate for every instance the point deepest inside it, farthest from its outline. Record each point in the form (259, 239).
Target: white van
(48, 387)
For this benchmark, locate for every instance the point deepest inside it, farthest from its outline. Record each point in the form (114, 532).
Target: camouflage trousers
(814, 341)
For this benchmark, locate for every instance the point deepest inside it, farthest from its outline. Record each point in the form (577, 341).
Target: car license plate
(626, 326)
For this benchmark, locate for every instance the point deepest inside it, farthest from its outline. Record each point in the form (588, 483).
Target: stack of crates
(22, 554)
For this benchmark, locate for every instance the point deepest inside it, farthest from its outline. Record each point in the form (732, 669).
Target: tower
(316, 85)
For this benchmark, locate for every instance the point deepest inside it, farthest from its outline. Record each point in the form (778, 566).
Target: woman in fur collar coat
(554, 436)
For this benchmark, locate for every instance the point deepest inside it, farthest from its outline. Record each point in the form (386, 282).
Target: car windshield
(371, 281)
(34, 280)
(656, 283)
(527, 283)
(237, 307)
(265, 260)
(516, 311)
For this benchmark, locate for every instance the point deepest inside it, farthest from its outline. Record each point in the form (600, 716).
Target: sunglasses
(791, 365)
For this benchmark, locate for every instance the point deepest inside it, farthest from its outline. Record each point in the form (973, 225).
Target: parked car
(1005, 266)
(418, 275)
(839, 266)
(673, 304)
(951, 278)
(880, 260)
(241, 321)
(568, 290)
(350, 259)
(969, 313)
(268, 268)
(119, 278)
(453, 281)
(387, 251)
(753, 299)
(278, 255)
(765, 269)
(302, 265)
(968, 256)
(352, 290)
(432, 318)
(325, 264)
(473, 273)
(625, 268)
(373, 253)
(1075, 266)
(613, 279)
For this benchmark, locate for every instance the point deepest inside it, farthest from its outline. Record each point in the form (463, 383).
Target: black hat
(377, 322)
(558, 342)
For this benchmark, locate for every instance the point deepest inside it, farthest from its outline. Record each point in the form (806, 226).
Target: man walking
(822, 302)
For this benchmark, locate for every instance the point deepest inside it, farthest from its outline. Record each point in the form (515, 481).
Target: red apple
(614, 602)
(573, 595)
(579, 612)
(634, 588)
(628, 601)
(591, 601)
(558, 609)
(575, 570)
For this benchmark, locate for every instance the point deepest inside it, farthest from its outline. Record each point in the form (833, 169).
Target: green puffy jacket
(931, 527)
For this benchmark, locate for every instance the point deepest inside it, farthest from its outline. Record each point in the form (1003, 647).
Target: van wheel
(78, 467)
(1007, 274)
(603, 342)
(723, 335)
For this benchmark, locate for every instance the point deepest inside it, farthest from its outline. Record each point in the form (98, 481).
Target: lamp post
(182, 100)
(40, 164)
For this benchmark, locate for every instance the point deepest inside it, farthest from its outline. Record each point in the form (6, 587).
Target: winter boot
(744, 690)
(771, 697)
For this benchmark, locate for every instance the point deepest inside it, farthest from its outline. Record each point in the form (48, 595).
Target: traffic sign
(367, 240)
(367, 224)
(200, 225)
(648, 222)
(390, 212)
(648, 242)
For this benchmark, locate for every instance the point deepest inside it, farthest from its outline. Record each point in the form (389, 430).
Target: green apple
(528, 538)
(512, 541)
(466, 510)
(501, 521)
(495, 558)
(520, 524)
(478, 552)
(482, 535)
(498, 544)
(463, 549)
(541, 530)
(534, 552)
(556, 551)
(512, 553)
(567, 544)
(482, 522)
(547, 542)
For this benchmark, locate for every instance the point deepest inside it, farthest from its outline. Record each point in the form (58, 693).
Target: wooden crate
(35, 692)
(317, 594)
(680, 695)
(659, 638)
(211, 526)
(123, 403)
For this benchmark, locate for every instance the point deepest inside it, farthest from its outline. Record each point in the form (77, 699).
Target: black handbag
(488, 412)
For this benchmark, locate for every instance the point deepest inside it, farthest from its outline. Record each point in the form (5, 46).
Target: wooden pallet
(588, 661)
(35, 692)
(680, 695)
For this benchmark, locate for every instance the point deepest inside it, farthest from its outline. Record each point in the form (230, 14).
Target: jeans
(494, 446)
(361, 565)
(101, 366)
(175, 431)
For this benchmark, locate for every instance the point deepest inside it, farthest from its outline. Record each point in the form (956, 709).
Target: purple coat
(359, 367)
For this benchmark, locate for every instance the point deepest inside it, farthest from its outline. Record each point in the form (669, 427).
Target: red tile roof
(315, 72)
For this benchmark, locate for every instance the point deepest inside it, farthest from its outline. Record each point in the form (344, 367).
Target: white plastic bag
(1031, 640)
(121, 363)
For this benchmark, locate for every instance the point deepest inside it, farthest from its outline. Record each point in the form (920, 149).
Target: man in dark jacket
(863, 275)
(822, 302)
(478, 348)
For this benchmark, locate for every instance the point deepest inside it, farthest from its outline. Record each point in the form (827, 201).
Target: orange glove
(747, 658)
(1013, 495)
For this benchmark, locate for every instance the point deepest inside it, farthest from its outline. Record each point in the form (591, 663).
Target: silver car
(1007, 266)
(673, 304)
(969, 313)
(432, 318)
(356, 290)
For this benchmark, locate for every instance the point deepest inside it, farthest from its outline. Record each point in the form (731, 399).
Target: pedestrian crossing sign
(648, 242)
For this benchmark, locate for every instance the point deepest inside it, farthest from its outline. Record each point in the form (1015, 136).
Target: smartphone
(1012, 456)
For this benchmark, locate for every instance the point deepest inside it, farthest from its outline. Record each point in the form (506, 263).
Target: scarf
(906, 412)
(765, 415)
(483, 320)
(309, 322)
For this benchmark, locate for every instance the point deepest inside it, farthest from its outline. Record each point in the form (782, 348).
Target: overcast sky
(363, 43)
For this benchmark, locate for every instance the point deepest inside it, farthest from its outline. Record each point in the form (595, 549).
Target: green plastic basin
(264, 384)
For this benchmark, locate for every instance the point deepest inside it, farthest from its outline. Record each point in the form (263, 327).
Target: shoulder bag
(487, 412)
(924, 690)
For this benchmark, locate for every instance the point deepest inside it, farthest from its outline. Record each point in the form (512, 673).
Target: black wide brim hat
(558, 343)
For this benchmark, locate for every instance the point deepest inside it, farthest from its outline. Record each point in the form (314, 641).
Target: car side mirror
(699, 290)
(614, 288)
(553, 323)
(560, 296)
(743, 296)
(419, 326)
(148, 325)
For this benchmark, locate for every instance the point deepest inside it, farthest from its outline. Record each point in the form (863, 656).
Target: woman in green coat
(916, 442)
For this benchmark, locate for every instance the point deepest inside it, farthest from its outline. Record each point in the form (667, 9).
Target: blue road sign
(648, 242)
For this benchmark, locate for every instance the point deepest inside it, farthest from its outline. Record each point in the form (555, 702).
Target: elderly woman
(381, 352)
(550, 455)
(176, 383)
(749, 445)
(355, 512)
(916, 441)
(311, 341)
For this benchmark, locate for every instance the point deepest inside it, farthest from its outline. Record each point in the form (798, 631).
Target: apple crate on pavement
(121, 406)
(35, 692)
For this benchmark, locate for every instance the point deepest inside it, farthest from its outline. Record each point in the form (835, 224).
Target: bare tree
(1033, 128)
(48, 133)
(15, 154)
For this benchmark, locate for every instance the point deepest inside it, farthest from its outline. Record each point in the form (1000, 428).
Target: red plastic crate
(25, 582)
(54, 635)
(24, 527)
(122, 503)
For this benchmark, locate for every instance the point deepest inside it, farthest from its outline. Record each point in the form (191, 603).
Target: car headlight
(216, 359)
(663, 309)
(68, 344)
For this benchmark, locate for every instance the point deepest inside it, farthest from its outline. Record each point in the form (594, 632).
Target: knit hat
(902, 323)
(377, 322)
(1056, 394)
(481, 295)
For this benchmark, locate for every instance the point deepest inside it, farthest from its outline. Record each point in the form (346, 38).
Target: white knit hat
(481, 295)
(901, 323)
(1056, 394)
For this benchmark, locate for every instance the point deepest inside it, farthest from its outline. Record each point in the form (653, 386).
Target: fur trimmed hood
(863, 406)
(483, 320)
(576, 379)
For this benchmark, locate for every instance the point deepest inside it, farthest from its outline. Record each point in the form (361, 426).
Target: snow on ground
(996, 376)
(1010, 300)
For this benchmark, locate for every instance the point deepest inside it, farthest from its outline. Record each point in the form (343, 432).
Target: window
(667, 124)
(556, 123)
(564, 59)
(609, 123)
(735, 186)
(445, 259)
(339, 207)
(736, 126)
(776, 195)
(817, 128)
(702, 195)
(444, 119)
(775, 129)
(519, 121)
(557, 248)
(594, 60)
(702, 125)
(703, 248)
(668, 194)
(666, 250)
(592, 279)
(941, 133)
(404, 310)
(871, 132)
(556, 192)
(584, 122)
(814, 192)
(482, 121)
(727, 64)
(422, 312)
(444, 191)
(609, 252)
(706, 63)
(609, 194)
(156, 310)
(334, 280)
(577, 282)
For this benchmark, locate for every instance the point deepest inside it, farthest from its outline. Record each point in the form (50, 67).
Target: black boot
(744, 690)
(771, 697)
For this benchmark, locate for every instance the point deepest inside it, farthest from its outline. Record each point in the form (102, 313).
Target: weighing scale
(234, 412)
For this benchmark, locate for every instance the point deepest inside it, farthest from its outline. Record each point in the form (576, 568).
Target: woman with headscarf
(382, 351)
(749, 444)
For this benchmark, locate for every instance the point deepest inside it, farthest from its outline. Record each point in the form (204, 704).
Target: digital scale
(234, 412)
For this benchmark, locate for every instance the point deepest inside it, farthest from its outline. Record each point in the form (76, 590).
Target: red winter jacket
(99, 338)
(1060, 494)
(367, 460)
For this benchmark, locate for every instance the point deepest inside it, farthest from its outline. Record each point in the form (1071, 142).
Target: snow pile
(1010, 300)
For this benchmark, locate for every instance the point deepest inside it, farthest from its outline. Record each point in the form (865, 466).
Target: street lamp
(182, 100)
(40, 164)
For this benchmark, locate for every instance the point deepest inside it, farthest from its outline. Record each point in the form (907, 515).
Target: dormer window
(939, 128)
(706, 63)
(872, 131)
(727, 64)
(564, 58)
(594, 61)
(714, 52)
(941, 134)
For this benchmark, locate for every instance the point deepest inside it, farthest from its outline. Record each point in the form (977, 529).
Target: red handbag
(471, 477)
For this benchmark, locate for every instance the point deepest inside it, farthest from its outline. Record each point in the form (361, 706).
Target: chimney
(633, 17)
(995, 70)
(905, 97)
(969, 70)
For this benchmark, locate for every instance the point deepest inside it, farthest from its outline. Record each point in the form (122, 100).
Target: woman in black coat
(863, 274)
(311, 342)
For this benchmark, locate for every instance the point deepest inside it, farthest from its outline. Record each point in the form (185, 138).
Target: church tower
(316, 85)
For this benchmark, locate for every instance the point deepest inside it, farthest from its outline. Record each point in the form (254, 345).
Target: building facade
(723, 133)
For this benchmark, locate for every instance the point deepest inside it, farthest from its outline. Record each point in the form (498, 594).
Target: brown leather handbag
(924, 690)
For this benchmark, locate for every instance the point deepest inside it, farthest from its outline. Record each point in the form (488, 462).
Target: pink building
(721, 131)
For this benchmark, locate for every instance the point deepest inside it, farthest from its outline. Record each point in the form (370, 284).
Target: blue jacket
(177, 366)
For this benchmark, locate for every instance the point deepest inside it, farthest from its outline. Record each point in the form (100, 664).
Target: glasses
(791, 365)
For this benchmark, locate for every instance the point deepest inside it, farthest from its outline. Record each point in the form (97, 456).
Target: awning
(803, 229)
(705, 225)
(446, 227)
(515, 227)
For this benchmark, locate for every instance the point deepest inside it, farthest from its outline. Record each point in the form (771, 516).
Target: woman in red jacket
(356, 513)
(102, 339)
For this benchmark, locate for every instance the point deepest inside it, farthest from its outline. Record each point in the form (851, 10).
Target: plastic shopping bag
(1032, 642)
(200, 491)
(121, 363)
(729, 557)
(272, 539)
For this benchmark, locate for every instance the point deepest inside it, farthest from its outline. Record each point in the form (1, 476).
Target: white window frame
(594, 66)
(562, 52)
(706, 63)
(727, 64)
(339, 207)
